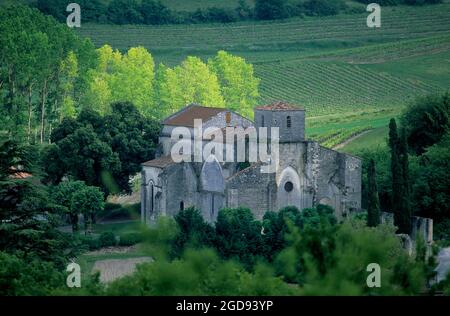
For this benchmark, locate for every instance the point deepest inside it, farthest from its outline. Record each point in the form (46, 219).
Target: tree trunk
(10, 102)
(12, 89)
(87, 223)
(43, 101)
(74, 222)
(50, 129)
(30, 111)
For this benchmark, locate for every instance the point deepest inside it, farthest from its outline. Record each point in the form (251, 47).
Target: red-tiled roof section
(280, 106)
(16, 174)
(186, 116)
(160, 162)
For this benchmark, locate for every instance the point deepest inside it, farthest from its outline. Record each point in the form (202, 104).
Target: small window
(288, 122)
(262, 121)
(228, 118)
(288, 186)
(181, 205)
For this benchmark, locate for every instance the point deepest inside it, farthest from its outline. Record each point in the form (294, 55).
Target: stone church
(308, 173)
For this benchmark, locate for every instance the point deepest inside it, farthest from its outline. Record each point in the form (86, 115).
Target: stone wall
(252, 189)
(421, 226)
(296, 133)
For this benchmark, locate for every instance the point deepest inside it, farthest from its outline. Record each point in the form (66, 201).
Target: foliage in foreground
(199, 272)
(333, 261)
(321, 259)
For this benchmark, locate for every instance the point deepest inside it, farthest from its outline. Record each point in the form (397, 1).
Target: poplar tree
(238, 84)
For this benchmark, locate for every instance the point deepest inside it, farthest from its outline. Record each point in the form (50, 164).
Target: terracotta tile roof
(161, 162)
(280, 106)
(186, 116)
(16, 174)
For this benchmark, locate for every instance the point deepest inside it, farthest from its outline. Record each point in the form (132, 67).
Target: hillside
(331, 65)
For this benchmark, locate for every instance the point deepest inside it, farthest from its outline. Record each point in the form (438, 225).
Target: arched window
(181, 205)
(288, 122)
(228, 118)
(262, 121)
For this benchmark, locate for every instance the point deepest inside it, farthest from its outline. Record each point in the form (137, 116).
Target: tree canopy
(102, 151)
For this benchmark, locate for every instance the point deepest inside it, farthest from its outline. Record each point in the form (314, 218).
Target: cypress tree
(373, 209)
(400, 179)
(395, 170)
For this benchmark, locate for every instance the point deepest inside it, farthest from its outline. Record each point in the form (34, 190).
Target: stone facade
(307, 174)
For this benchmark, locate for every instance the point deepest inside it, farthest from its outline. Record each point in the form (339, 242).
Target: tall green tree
(400, 179)
(426, 121)
(238, 84)
(373, 207)
(132, 136)
(63, 194)
(134, 80)
(36, 87)
(190, 82)
(81, 153)
(271, 9)
(431, 186)
(128, 77)
(28, 217)
(88, 201)
(103, 151)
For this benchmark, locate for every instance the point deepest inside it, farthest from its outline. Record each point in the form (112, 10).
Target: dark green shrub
(323, 7)
(130, 239)
(111, 206)
(107, 239)
(94, 243)
(193, 230)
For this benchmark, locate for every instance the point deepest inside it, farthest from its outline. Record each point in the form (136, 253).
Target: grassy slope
(377, 138)
(333, 66)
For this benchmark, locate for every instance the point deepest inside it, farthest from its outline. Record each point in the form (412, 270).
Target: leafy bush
(21, 277)
(313, 217)
(93, 243)
(107, 239)
(111, 206)
(332, 260)
(193, 231)
(199, 272)
(271, 9)
(238, 235)
(130, 239)
(116, 211)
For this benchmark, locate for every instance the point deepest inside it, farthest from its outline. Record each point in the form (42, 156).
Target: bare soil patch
(112, 269)
(112, 250)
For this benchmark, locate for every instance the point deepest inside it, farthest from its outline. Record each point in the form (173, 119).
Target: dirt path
(112, 269)
(351, 139)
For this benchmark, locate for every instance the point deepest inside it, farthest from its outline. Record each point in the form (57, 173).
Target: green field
(376, 138)
(345, 74)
